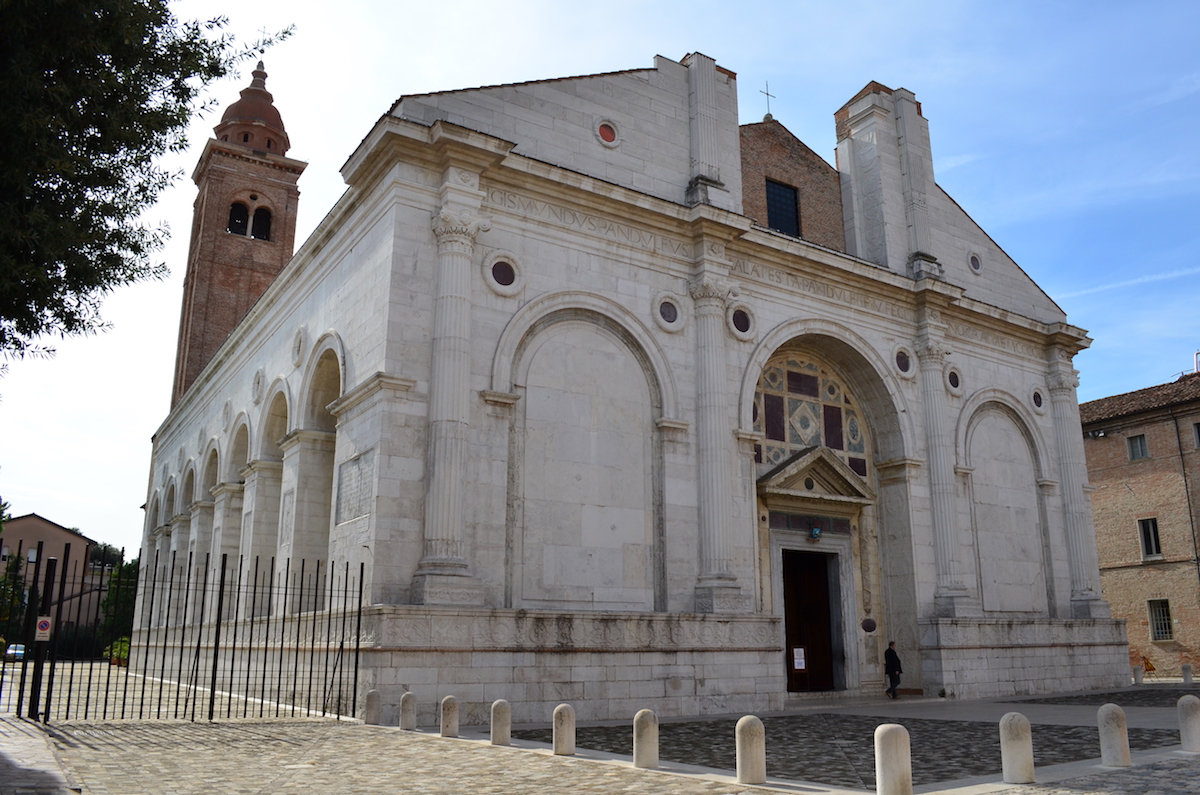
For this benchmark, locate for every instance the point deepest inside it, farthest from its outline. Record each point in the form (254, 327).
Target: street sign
(43, 628)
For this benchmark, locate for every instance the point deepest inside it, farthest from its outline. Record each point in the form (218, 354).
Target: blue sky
(1067, 130)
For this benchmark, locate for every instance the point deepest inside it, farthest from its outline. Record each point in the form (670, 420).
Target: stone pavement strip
(178, 758)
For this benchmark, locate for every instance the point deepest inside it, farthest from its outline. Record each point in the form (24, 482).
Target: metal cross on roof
(769, 95)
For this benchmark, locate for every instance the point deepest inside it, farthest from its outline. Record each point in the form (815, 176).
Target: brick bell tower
(243, 226)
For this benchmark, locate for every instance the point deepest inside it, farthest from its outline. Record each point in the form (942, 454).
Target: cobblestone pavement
(839, 749)
(820, 750)
(1144, 696)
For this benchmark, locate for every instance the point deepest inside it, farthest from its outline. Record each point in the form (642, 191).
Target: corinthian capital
(1063, 381)
(932, 351)
(707, 288)
(449, 224)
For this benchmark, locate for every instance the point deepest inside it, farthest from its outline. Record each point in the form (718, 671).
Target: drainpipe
(1186, 491)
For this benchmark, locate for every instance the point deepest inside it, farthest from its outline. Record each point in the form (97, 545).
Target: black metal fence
(285, 643)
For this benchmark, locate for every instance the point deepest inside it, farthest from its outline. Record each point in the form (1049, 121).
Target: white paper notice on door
(798, 658)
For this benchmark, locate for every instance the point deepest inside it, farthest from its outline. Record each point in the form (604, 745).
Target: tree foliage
(95, 92)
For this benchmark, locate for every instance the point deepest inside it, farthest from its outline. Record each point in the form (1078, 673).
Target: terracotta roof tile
(1183, 390)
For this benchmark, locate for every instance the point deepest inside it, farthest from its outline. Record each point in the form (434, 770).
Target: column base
(447, 589)
(721, 599)
(1090, 607)
(957, 605)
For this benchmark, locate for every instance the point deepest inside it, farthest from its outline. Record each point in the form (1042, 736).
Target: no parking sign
(43, 628)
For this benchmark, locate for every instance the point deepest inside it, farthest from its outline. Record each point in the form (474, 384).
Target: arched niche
(842, 515)
(1003, 468)
(586, 525)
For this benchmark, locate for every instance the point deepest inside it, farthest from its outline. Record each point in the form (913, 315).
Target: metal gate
(210, 641)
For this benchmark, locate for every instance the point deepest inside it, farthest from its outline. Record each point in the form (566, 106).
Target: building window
(239, 218)
(1160, 620)
(1196, 430)
(1138, 448)
(802, 403)
(783, 209)
(1149, 531)
(262, 224)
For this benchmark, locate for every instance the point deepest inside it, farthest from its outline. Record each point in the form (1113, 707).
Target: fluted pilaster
(1081, 538)
(715, 439)
(444, 553)
(932, 352)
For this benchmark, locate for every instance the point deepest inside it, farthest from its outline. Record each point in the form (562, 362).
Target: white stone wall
(582, 486)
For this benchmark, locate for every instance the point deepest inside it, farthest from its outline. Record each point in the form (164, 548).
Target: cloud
(1151, 277)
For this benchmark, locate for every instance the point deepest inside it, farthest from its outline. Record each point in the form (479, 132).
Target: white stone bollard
(408, 712)
(501, 722)
(1138, 674)
(645, 739)
(1188, 709)
(449, 725)
(564, 730)
(893, 760)
(371, 713)
(751, 742)
(1187, 673)
(1114, 737)
(1016, 749)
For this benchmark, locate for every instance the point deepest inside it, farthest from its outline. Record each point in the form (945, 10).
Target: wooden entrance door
(808, 622)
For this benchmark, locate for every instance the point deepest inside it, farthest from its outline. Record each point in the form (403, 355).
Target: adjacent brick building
(1143, 456)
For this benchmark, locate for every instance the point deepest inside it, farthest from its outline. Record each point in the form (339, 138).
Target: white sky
(1066, 130)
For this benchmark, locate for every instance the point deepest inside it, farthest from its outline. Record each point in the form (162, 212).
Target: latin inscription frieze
(831, 292)
(965, 332)
(587, 222)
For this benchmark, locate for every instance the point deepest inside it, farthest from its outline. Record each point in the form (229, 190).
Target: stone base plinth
(446, 589)
(988, 658)
(606, 665)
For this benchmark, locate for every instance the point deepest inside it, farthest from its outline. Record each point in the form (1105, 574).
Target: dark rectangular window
(1160, 619)
(833, 427)
(774, 423)
(803, 384)
(783, 209)
(1149, 531)
(1138, 448)
(1196, 428)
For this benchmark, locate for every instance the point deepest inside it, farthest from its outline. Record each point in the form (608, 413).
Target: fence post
(1114, 737)
(750, 741)
(371, 714)
(1016, 749)
(645, 739)
(501, 722)
(1188, 709)
(449, 724)
(564, 730)
(893, 760)
(408, 711)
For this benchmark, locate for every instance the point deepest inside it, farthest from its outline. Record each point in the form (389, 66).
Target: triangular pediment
(816, 473)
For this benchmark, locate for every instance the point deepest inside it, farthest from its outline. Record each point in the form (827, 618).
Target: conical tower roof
(254, 120)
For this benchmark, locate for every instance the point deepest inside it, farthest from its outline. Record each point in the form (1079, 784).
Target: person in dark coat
(891, 667)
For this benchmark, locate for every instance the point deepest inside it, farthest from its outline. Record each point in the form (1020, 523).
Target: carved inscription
(586, 222)
(832, 292)
(965, 332)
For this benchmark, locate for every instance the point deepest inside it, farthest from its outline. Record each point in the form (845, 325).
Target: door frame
(843, 622)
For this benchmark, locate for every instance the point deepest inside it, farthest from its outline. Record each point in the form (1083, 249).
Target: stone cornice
(298, 436)
(371, 386)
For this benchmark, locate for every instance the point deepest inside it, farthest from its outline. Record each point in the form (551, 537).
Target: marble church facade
(600, 435)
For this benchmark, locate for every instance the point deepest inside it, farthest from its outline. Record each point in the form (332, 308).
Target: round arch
(330, 341)
(275, 420)
(1025, 420)
(239, 448)
(857, 360)
(564, 306)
